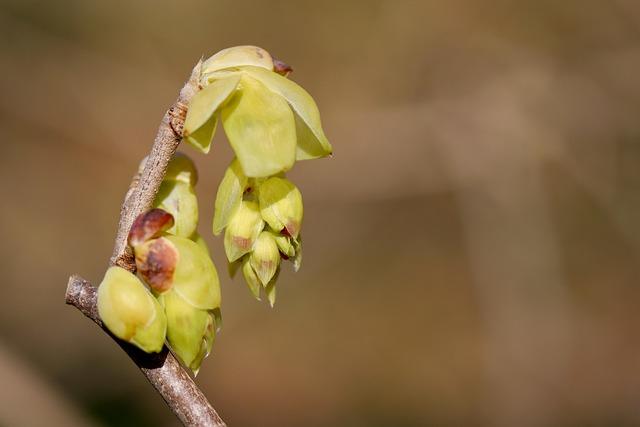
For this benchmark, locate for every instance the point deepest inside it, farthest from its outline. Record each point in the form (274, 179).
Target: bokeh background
(471, 250)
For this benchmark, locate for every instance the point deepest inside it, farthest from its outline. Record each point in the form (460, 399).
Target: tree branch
(162, 369)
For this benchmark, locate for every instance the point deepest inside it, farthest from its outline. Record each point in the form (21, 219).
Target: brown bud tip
(281, 67)
(156, 261)
(149, 225)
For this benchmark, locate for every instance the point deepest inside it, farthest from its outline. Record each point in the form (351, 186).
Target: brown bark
(162, 369)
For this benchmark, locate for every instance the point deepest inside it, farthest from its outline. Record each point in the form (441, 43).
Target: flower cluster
(270, 122)
(184, 303)
(261, 218)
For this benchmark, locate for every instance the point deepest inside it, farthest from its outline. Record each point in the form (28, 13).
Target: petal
(200, 123)
(312, 143)
(229, 196)
(238, 56)
(251, 278)
(261, 129)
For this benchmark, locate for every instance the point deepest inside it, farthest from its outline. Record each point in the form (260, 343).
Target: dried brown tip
(156, 262)
(281, 67)
(149, 225)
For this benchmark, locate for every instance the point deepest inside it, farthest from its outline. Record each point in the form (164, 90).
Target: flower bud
(179, 199)
(181, 168)
(190, 330)
(281, 205)
(129, 310)
(242, 231)
(174, 262)
(265, 257)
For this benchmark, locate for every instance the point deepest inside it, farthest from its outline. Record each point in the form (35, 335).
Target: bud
(265, 257)
(190, 330)
(281, 205)
(261, 129)
(229, 196)
(129, 310)
(243, 230)
(181, 168)
(179, 199)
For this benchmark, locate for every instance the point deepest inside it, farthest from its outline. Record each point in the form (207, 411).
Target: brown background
(471, 250)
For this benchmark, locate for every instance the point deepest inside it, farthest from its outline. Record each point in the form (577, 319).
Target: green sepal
(229, 196)
(130, 312)
(200, 123)
(179, 199)
(281, 205)
(195, 277)
(190, 330)
(311, 140)
(260, 127)
(243, 230)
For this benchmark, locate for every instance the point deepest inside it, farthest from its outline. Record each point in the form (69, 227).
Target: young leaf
(200, 123)
(261, 129)
(229, 196)
(312, 143)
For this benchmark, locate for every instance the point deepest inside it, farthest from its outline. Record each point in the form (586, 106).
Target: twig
(162, 370)
(141, 196)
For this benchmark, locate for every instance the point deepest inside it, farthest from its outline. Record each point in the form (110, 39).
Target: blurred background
(471, 250)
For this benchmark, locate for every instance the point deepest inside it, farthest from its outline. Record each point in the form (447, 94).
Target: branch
(143, 192)
(162, 370)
